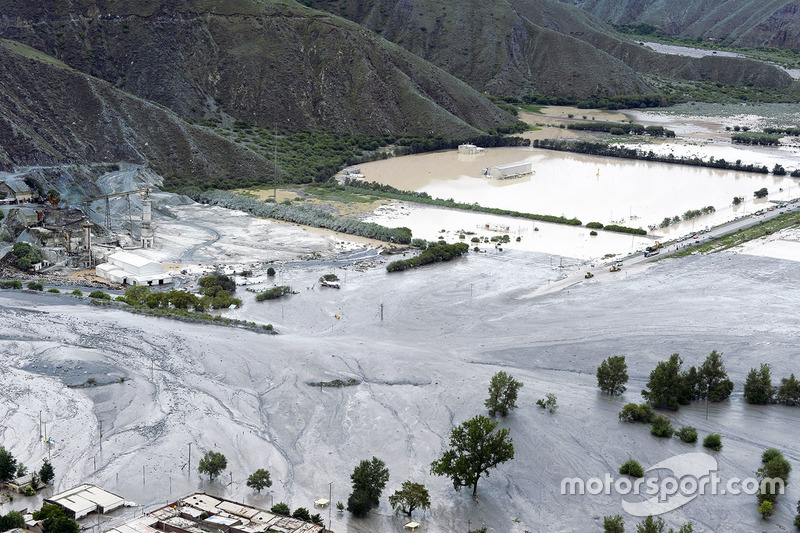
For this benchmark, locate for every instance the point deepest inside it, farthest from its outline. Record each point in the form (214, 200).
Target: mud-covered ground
(423, 369)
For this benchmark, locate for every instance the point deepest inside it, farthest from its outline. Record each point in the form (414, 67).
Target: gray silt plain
(447, 329)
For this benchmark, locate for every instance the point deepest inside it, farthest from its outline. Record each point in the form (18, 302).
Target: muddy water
(606, 190)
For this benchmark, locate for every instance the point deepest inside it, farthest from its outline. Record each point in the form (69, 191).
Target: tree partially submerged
(758, 387)
(259, 480)
(369, 479)
(503, 390)
(475, 448)
(411, 496)
(714, 384)
(212, 463)
(612, 375)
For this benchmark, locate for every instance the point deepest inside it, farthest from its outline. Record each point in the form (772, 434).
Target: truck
(650, 253)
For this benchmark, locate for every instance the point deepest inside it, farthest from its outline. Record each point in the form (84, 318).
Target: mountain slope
(275, 64)
(773, 23)
(518, 46)
(51, 114)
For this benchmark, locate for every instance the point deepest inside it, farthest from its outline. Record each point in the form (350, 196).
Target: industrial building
(201, 513)
(470, 149)
(85, 499)
(15, 190)
(509, 170)
(130, 269)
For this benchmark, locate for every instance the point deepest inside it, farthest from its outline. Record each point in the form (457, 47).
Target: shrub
(687, 434)
(54, 290)
(594, 225)
(329, 277)
(273, 293)
(713, 441)
(662, 427)
(270, 272)
(632, 468)
(613, 524)
(475, 239)
(78, 293)
(99, 295)
(593, 233)
(13, 284)
(280, 509)
(549, 403)
(35, 286)
(301, 513)
(765, 509)
(637, 413)
(30, 491)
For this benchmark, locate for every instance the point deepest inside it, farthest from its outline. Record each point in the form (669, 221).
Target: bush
(301, 513)
(632, 468)
(280, 509)
(35, 286)
(273, 293)
(687, 434)
(99, 295)
(54, 291)
(13, 284)
(713, 442)
(329, 277)
(662, 427)
(637, 413)
(270, 272)
(593, 233)
(78, 293)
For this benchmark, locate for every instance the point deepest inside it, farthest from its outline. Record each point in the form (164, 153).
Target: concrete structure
(84, 499)
(202, 513)
(131, 269)
(16, 190)
(509, 170)
(147, 228)
(470, 149)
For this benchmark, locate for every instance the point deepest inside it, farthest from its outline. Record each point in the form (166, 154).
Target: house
(131, 269)
(15, 190)
(84, 499)
(20, 484)
(470, 149)
(509, 170)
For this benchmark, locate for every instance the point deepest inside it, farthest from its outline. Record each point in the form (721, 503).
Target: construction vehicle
(656, 246)
(649, 253)
(588, 275)
(615, 268)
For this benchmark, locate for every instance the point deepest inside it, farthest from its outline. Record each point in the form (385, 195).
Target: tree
(765, 509)
(46, 473)
(714, 384)
(758, 387)
(613, 524)
(21, 470)
(369, 479)
(409, 497)
(651, 525)
(662, 427)
(301, 513)
(637, 413)
(666, 385)
(550, 402)
(280, 509)
(212, 463)
(761, 193)
(503, 391)
(713, 442)
(737, 200)
(687, 434)
(632, 468)
(789, 391)
(50, 510)
(8, 465)
(612, 375)
(13, 520)
(60, 524)
(259, 480)
(475, 448)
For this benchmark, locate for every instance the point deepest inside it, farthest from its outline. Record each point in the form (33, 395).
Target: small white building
(130, 269)
(509, 170)
(470, 149)
(84, 499)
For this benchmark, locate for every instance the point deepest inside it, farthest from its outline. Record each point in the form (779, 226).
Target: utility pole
(275, 160)
(101, 436)
(40, 424)
(189, 464)
(330, 505)
(381, 311)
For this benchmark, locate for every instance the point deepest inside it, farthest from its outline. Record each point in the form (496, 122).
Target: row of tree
(622, 128)
(616, 524)
(433, 253)
(758, 388)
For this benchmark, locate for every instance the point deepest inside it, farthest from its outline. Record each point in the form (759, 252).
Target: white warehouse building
(131, 269)
(509, 170)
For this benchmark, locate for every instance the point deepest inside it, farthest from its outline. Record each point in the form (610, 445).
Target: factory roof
(512, 165)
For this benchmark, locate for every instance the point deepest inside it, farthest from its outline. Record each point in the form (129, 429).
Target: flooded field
(607, 190)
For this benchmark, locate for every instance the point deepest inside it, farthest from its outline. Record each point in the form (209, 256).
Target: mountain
(51, 114)
(753, 23)
(520, 46)
(269, 63)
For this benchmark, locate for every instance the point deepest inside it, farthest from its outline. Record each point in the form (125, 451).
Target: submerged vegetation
(434, 253)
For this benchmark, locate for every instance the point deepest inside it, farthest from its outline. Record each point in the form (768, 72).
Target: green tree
(666, 385)
(651, 525)
(687, 434)
(475, 448)
(301, 513)
(411, 496)
(632, 468)
(637, 413)
(280, 509)
(713, 442)
(761, 193)
(21, 470)
(212, 463)
(46, 472)
(662, 427)
(758, 387)
(369, 479)
(8, 465)
(714, 384)
(613, 524)
(789, 391)
(259, 480)
(765, 509)
(60, 524)
(503, 391)
(13, 520)
(49, 510)
(612, 375)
